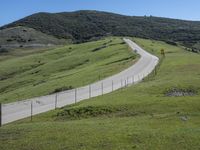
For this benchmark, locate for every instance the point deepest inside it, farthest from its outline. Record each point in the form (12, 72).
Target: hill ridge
(85, 25)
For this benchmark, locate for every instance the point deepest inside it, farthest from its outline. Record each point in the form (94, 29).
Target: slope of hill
(82, 26)
(25, 37)
(138, 117)
(63, 68)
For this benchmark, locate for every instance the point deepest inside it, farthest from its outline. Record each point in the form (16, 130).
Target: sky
(12, 10)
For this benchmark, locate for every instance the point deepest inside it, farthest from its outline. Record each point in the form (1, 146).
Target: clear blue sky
(11, 10)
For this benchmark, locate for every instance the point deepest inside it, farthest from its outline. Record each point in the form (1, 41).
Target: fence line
(39, 105)
(28, 108)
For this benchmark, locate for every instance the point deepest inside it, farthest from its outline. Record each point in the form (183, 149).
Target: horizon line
(123, 14)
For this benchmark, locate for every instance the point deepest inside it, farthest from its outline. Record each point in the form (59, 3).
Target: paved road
(144, 66)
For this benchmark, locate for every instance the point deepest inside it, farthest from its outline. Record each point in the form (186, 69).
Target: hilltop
(82, 26)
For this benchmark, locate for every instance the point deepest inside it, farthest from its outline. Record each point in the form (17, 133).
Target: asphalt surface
(134, 74)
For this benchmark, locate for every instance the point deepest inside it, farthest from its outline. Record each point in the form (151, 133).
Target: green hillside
(24, 37)
(138, 117)
(81, 26)
(46, 71)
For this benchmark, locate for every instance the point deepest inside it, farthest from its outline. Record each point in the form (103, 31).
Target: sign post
(162, 51)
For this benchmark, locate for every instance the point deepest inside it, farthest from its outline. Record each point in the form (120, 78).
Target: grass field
(32, 74)
(138, 117)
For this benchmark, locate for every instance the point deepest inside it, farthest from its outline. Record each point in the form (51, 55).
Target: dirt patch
(178, 92)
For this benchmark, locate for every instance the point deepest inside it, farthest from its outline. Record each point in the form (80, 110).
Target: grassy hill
(46, 71)
(138, 117)
(81, 26)
(24, 37)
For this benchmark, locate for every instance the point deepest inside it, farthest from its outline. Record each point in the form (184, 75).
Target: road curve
(134, 74)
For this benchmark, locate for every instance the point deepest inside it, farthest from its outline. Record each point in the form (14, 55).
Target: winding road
(134, 74)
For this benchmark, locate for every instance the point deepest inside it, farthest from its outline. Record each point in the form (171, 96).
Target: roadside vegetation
(138, 117)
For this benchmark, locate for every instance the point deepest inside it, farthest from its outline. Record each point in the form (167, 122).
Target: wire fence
(28, 108)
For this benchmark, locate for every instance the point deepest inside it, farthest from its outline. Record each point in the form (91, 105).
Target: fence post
(31, 110)
(102, 88)
(112, 86)
(56, 100)
(90, 94)
(121, 83)
(1, 123)
(75, 94)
